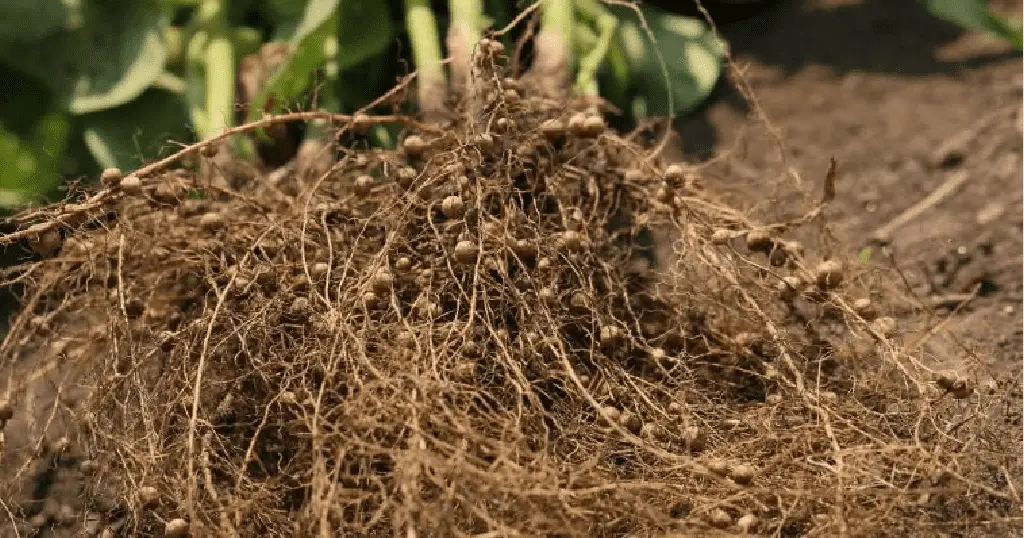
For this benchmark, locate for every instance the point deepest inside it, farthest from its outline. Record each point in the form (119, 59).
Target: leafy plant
(667, 83)
(333, 35)
(977, 15)
(165, 70)
(121, 136)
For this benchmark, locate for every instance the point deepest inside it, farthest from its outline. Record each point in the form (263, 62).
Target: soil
(894, 96)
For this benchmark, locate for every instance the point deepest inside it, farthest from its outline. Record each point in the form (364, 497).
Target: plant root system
(472, 335)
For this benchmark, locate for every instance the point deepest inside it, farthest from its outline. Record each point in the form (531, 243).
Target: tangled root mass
(467, 337)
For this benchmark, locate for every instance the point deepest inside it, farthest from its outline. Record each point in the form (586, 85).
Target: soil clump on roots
(468, 336)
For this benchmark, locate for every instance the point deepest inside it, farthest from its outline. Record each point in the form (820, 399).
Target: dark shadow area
(699, 138)
(10, 296)
(892, 37)
(721, 11)
(897, 37)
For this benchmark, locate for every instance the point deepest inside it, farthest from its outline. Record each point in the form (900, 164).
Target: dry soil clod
(211, 221)
(631, 422)
(742, 473)
(131, 185)
(865, 308)
(609, 414)
(789, 287)
(722, 237)
(954, 384)
(361, 123)
(593, 125)
(88, 467)
(760, 240)
(111, 177)
(465, 252)
(675, 174)
(414, 145)
(829, 274)
(571, 240)
(484, 142)
(362, 185)
(694, 438)
(554, 129)
(747, 523)
(611, 336)
(718, 466)
(719, 518)
(453, 207)
(405, 176)
(148, 496)
(176, 528)
(383, 280)
(577, 124)
(777, 256)
(46, 243)
(885, 326)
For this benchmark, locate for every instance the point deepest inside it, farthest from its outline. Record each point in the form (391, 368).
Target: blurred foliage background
(91, 84)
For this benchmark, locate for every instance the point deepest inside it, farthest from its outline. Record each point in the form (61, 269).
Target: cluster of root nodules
(468, 337)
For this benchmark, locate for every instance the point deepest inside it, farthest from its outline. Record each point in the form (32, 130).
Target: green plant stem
(170, 82)
(246, 39)
(220, 65)
(174, 40)
(426, 48)
(977, 15)
(618, 68)
(195, 82)
(467, 15)
(557, 16)
(332, 75)
(590, 63)
(589, 10)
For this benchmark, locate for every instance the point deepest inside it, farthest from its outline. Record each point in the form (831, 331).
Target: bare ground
(906, 104)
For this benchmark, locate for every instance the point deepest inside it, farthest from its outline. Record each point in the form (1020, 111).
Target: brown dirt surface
(905, 103)
(474, 341)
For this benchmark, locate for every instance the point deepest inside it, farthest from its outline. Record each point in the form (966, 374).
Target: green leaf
(640, 108)
(116, 54)
(33, 139)
(195, 81)
(287, 9)
(316, 15)
(32, 20)
(375, 73)
(977, 15)
(384, 136)
(691, 53)
(31, 170)
(348, 32)
(25, 100)
(144, 129)
(618, 71)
